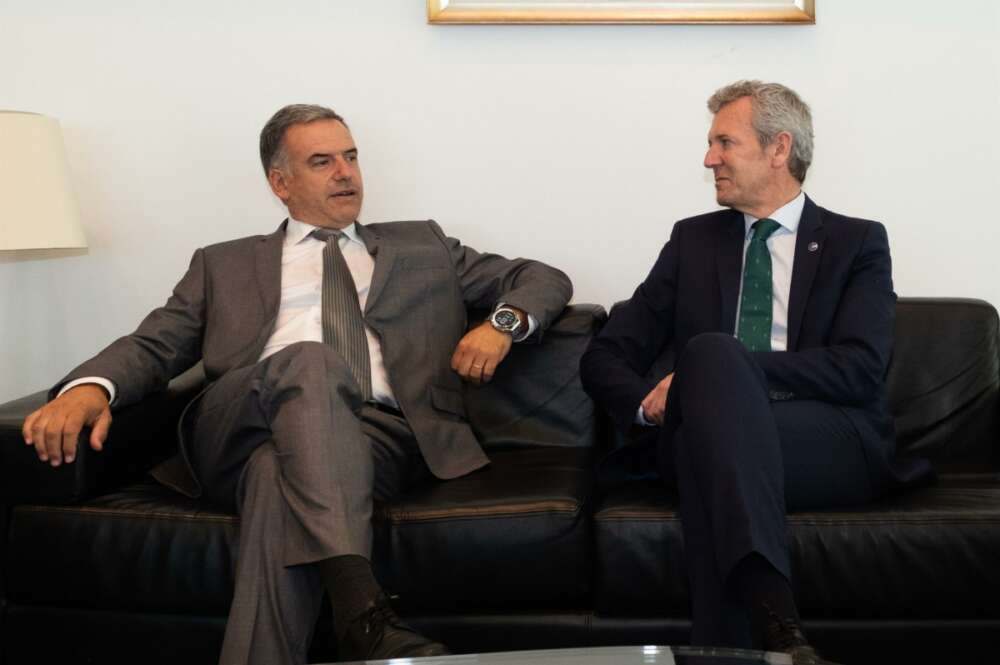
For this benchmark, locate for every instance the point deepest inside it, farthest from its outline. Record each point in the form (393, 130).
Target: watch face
(505, 319)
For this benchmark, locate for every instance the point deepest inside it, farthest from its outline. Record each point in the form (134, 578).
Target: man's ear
(781, 148)
(276, 179)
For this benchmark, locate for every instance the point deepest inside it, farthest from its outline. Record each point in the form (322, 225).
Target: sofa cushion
(144, 548)
(513, 535)
(535, 397)
(944, 381)
(485, 540)
(929, 552)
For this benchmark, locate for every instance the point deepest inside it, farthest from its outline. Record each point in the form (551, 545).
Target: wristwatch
(506, 320)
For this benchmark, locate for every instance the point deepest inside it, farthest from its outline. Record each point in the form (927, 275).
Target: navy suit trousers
(740, 461)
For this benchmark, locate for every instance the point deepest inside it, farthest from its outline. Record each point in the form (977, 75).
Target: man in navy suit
(780, 314)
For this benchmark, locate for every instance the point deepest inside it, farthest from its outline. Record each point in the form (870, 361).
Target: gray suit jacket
(223, 311)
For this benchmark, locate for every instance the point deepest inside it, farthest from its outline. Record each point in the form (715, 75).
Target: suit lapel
(267, 267)
(384, 255)
(729, 261)
(809, 245)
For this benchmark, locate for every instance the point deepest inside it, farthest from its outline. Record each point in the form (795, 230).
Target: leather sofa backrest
(944, 381)
(535, 398)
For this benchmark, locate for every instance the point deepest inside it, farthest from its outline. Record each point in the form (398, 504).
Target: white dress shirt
(300, 313)
(781, 245)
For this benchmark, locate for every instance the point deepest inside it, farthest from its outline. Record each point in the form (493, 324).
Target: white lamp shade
(37, 207)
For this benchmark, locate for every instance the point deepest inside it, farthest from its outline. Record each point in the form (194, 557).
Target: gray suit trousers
(289, 445)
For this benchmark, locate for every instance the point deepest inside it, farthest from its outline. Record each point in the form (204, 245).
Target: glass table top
(632, 655)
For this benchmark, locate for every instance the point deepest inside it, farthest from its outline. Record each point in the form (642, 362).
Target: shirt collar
(297, 231)
(787, 215)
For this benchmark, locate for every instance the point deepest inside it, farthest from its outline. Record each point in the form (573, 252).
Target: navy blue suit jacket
(840, 320)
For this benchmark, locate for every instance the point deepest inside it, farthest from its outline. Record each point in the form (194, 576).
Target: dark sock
(351, 585)
(763, 590)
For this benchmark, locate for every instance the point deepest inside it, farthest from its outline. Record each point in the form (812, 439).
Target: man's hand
(654, 405)
(479, 352)
(55, 428)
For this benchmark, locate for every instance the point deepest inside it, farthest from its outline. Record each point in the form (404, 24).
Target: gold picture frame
(620, 11)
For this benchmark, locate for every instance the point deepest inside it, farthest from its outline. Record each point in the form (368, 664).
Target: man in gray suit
(335, 354)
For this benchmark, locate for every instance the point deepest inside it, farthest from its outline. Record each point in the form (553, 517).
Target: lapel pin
(813, 246)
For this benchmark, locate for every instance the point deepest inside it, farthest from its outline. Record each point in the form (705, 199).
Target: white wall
(579, 145)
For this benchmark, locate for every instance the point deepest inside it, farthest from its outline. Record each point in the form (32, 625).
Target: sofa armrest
(141, 436)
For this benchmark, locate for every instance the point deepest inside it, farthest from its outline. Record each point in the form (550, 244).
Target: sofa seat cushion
(145, 548)
(926, 553)
(488, 539)
(515, 534)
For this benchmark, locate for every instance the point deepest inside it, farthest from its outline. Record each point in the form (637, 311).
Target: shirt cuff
(640, 418)
(101, 381)
(532, 327)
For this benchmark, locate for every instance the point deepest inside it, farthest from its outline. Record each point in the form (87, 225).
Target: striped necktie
(343, 327)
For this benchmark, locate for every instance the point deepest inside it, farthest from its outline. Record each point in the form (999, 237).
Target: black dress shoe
(379, 634)
(783, 634)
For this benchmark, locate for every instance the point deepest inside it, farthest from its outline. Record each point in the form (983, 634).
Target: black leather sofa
(101, 565)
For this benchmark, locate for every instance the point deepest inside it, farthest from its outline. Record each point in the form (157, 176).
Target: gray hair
(776, 109)
(272, 137)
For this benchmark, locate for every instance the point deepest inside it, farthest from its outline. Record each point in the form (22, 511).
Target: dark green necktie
(343, 327)
(756, 304)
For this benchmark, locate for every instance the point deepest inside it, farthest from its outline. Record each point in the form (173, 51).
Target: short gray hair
(776, 109)
(272, 137)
